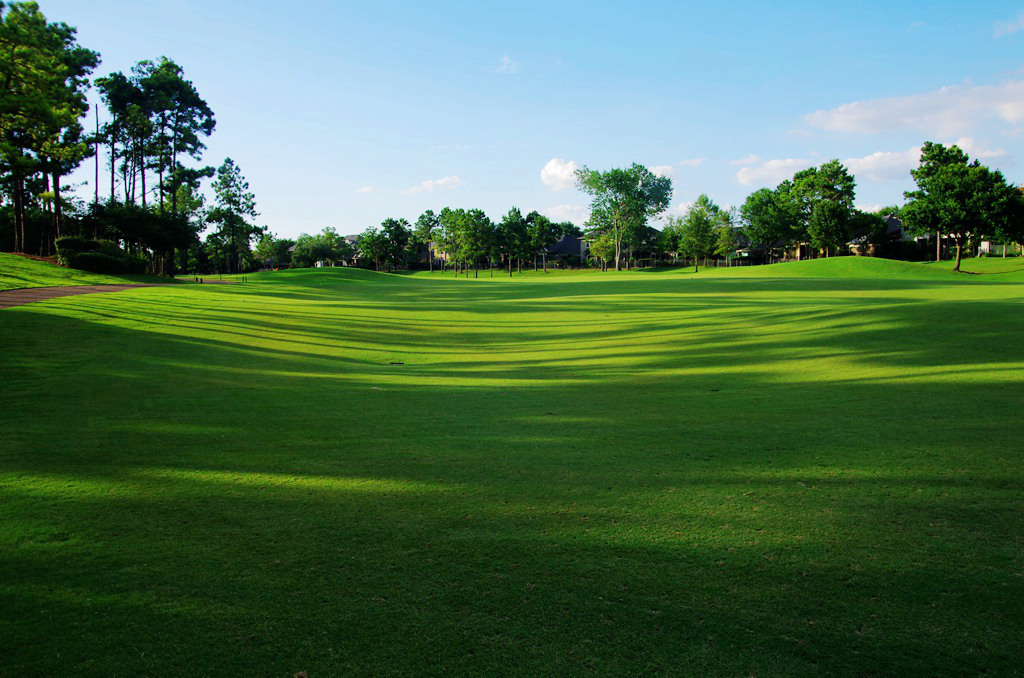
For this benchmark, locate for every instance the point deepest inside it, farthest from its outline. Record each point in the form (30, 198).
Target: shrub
(97, 256)
(69, 246)
(97, 262)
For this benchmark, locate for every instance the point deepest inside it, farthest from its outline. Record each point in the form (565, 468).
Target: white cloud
(770, 171)
(1002, 28)
(891, 165)
(870, 209)
(751, 159)
(663, 171)
(942, 112)
(364, 189)
(559, 174)
(431, 185)
(680, 208)
(507, 65)
(578, 214)
(884, 165)
(692, 162)
(974, 150)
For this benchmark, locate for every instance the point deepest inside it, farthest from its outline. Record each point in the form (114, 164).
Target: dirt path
(27, 295)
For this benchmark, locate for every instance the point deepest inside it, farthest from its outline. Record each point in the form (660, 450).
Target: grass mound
(19, 272)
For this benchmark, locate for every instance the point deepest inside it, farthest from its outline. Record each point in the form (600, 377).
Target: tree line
(460, 240)
(155, 134)
(956, 199)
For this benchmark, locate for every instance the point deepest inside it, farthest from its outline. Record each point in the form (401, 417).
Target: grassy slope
(17, 272)
(618, 473)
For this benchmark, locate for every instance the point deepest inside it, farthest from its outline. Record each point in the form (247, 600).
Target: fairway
(795, 469)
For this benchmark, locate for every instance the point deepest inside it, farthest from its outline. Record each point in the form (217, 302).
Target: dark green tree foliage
(424, 233)
(768, 218)
(44, 73)
(512, 238)
(157, 118)
(326, 246)
(623, 200)
(960, 199)
(870, 227)
(567, 228)
(822, 199)
(542, 234)
(397, 235)
(232, 214)
(273, 252)
(829, 225)
(699, 228)
(448, 233)
(372, 246)
(476, 233)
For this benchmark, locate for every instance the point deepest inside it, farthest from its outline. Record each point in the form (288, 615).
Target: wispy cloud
(1004, 28)
(431, 185)
(364, 189)
(748, 160)
(680, 208)
(770, 171)
(892, 165)
(577, 214)
(559, 174)
(692, 162)
(944, 112)
(976, 150)
(663, 171)
(507, 65)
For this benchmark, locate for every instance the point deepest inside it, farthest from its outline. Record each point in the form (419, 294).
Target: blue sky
(343, 114)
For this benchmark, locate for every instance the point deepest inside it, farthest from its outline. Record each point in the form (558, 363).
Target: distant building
(569, 250)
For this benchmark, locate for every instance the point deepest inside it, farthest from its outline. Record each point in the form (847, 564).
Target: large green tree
(822, 200)
(960, 199)
(44, 74)
(157, 119)
(623, 200)
(768, 218)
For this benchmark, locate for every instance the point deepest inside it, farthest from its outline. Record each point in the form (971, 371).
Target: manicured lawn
(792, 470)
(19, 272)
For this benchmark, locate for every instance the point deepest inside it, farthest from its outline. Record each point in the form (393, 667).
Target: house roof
(566, 245)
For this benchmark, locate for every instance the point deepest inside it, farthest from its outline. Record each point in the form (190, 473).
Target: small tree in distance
(234, 209)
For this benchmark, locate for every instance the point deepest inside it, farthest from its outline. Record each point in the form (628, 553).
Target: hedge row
(97, 256)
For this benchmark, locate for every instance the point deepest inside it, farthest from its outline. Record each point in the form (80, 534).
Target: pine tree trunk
(58, 213)
(938, 246)
(19, 212)
(956, 266)
(113, 165)
(545, 256)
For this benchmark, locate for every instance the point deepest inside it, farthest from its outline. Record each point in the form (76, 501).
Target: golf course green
(800, 469)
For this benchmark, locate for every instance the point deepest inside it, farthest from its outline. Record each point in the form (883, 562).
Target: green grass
(18, 272)
(795, 470)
